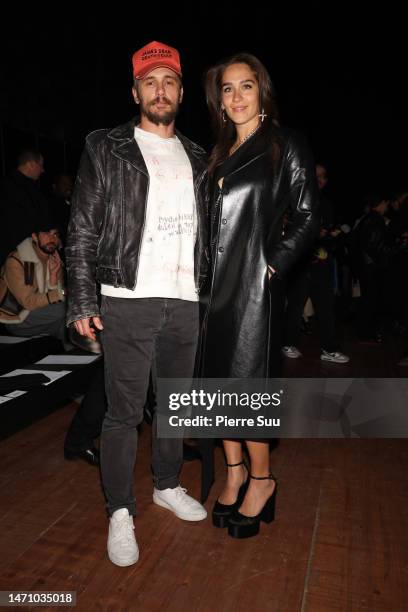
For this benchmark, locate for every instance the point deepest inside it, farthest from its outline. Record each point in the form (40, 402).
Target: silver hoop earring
(223, 116)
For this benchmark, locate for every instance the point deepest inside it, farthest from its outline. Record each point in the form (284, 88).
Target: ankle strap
(236, 464)
(270, 477)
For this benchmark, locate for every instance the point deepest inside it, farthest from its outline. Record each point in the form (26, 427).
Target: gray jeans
(140, 336)
(48, 320)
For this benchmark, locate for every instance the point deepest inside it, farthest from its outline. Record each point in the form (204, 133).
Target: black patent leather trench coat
(247, 237)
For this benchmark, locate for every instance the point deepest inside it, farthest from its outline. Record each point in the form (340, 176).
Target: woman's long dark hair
(225, 131)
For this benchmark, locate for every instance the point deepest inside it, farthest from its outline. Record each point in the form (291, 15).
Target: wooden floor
(339, 541)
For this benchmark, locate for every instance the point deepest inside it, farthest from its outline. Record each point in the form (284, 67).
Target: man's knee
(110, 422)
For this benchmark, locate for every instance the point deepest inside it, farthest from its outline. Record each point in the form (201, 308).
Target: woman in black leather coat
(259, 172)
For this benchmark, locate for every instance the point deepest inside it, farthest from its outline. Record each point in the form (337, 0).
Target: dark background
(340, 72)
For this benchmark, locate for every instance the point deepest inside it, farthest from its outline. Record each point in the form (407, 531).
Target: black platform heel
(221, 512)
(241, 526)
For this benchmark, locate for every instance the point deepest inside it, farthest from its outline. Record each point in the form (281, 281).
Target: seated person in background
(32, 297)
(32, 293)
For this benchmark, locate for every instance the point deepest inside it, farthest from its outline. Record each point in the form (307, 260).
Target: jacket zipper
(196, 186)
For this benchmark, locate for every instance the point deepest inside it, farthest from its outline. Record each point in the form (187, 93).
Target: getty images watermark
(285, 408)
(217, 408)
(223, 402)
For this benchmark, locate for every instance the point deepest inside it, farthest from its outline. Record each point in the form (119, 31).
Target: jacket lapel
(126, 149)
(26, 253)
(251, 151)
(125, 146)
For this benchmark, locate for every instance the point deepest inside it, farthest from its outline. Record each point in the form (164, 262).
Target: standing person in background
(373, 248)
(321, 288)
(314, 277)
(23, 207)
(60, 203)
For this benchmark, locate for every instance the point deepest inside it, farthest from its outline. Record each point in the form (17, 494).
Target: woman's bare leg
(236, 476)
(259, 490)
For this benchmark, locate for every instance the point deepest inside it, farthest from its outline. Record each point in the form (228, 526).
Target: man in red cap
(138, 231)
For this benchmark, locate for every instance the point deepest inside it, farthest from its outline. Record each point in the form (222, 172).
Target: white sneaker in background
(291, 351)
(183, 506)
(122, 545)
(335, 357)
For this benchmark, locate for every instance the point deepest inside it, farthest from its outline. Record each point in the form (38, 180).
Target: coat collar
(255, 147)
(27, 252)
(125, 147)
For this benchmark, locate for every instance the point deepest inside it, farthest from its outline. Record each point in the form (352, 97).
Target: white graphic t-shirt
(166, 259)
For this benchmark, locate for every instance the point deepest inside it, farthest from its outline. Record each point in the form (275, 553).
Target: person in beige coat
(32, 295)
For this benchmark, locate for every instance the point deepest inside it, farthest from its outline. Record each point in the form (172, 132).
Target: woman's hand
(271, 272)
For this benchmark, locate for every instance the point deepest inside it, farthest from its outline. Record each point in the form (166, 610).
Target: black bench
(18, 355)
(39, 401)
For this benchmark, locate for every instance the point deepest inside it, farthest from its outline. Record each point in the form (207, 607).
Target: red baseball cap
(155, 55)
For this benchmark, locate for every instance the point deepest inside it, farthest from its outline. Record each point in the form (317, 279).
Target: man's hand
(83, 326)
(54, 266)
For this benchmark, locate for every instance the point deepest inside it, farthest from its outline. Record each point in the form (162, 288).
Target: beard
(49, 248)
(163, 118)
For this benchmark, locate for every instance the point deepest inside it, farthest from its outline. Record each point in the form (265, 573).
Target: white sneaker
(335, 357)
(183, 506)
(122, 545)
(291, 351)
